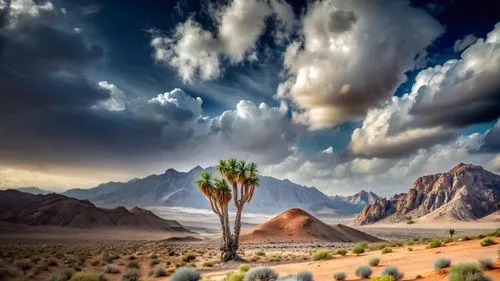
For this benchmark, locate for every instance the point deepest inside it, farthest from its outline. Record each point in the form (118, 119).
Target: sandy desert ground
(51, 257)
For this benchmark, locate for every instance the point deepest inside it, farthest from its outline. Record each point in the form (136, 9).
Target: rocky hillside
(298, 225)
(362, 198)
(464, 193)
(59, 210)
(174, 188)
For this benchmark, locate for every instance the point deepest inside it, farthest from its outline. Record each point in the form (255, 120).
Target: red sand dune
(299, 226)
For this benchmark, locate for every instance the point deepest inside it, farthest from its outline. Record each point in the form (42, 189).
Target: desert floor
(411, 263)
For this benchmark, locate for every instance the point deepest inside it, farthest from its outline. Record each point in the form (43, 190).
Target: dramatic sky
(341, 95)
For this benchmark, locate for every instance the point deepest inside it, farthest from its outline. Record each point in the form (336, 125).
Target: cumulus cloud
(465, 42)
(464, 91)
(353, 55)
(443, 99)
(116, 100)
(195, 52)
(16, 10)
(386, 176)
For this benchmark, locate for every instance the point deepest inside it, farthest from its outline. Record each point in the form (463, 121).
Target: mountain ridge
(465, 193)
(59, 210)
(175, 188)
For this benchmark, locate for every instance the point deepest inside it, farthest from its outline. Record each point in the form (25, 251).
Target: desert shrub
(304, 276)
(153, 256)
(383, 278)
(466, 272)
(65, 275)
(485, 263)
(186, 274)
(410, 242)
(363, 245)
(131, 258)
(85, 276)
(208, 263)
(378, 246)
(260, 254)
(448, 240)
(188, 257)
(465, 238)
(159, 271)
(341, 252)
(393, 271)
(235, 276)
(133, 264)
(131, 275)
(53, 277)
(42, 267)
(243, 267)
(487, 241)
(111, 269)
(410, 249)
(358, 250)
(95, 262)
(435, 243)
(322, 254)
(386, 250)
(276, 258)
(52, 262)
(339, 276)
(363, 272)
(441, 263)
(260, 274)
(7, 273)
(374, 261)
(24, 265)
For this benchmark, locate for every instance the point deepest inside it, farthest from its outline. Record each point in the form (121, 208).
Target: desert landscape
(48, 236)
(249, 140)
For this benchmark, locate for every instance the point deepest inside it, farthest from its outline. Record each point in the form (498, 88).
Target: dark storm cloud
(492, 140)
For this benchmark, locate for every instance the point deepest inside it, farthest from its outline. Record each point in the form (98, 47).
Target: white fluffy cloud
(335, 175)
(443, 98)
(353, 55)
(24, 8)
(116, 101)
(196, 52)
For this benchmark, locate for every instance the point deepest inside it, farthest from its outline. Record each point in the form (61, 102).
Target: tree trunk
(237, 226)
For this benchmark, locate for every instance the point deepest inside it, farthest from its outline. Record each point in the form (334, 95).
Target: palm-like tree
(242, 178)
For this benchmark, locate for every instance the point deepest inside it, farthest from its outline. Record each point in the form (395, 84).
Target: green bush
(111, 269)
(243, 267)
(363, 272)
(133, 264)
(486, 263)
(259, 274)
(341, 252)
(386, 250)
(435, 243)
(393, 271)
(358, 250)
(374, 261)
(208, 263)
(85, 276)
(363, 245)
(487, 241)
(188, 257)
(65, 275)
(304, 276)
(131, 275)
(441, 263)
(322, 254)
(235, 276)
(467, 272)
(186, 274)
(260, 254)
(339, 276)
(383, 278)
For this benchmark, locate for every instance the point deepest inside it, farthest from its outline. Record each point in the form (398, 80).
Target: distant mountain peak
(170, 171)
(363, 197)
(196, 169)
(465, 193)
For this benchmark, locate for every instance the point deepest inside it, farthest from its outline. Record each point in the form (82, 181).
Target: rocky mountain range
(362, 198)
(464, 193)
(174, 188)
(59, 210)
